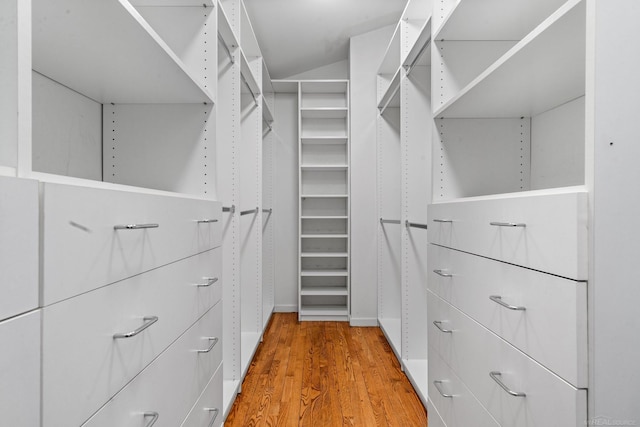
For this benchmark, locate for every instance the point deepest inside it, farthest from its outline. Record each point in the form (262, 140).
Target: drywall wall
(366, 52)
(337, 70)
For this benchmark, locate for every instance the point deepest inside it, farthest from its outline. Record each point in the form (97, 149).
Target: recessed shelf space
(325, 273)
(324, 254)
(323, 206)
(94, 64)
(323, 113)
(323, 226)
(324, 140)
(543, 71)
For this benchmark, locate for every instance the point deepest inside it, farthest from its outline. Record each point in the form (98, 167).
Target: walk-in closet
(293, 212)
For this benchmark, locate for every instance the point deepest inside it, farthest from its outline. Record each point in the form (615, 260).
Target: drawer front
(19, 233)
(83, 251)
(20, 370)
(84, 365)
(550, 324)
(473, 352)
(553, 237)
(433, 417)
(456, 404)
(208, 408)
(171, 384)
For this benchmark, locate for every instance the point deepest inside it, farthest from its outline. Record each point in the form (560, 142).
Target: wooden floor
(325, 374)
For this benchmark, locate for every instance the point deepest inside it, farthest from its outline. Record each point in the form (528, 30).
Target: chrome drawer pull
(494, 376)
(213, 344)
(210, 281)
(148, 322)
(438, 323)
(442, 273)
(206, 221)
(154, 418)
(135, 226)
(498, 300)
(437, 386)
(507, 224)
(215, 414)
(443, 220)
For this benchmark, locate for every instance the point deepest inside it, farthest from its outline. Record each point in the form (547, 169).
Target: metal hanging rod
(253, 95)
(231, 209)
(390, 221)
(134, 226)
(269, 211)
(226, 49)
(415, 225)
(256, 210)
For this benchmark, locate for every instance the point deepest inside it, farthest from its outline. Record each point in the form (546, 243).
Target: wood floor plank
(325, 374)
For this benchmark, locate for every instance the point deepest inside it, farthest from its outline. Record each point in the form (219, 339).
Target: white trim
(363, 322)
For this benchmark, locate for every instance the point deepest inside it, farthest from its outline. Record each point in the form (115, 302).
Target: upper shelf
(495, 19)
(391, 96)
(173, 3)
(419, 51)
(247, 74)
(106, 51)
(323, 113)
(225, 30)
(544, 70)
(248, 39)
(391, 58)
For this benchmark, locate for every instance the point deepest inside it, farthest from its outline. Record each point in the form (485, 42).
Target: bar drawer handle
(214, 341)
(442, 273)
(437, 386)
(498, 300)
(443, 220)
(210, 281)
(507, 224)
(150, 320)
(206, 221)
(135, 226)
(215, 415)
(495, 376)
(154, 417)
(438, 324)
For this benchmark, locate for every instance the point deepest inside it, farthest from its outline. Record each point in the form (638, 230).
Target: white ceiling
(300, 35)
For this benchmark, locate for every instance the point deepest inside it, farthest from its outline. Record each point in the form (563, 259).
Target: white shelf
(248, 75)
(106, 51)
(495, 19)
(391, 96)
(324, 310)
(285, 86)
(392, 329)
(248, 345)
(324, 140)
(391, 58)
(324, 255)
(324, 273)
(248, 40)
(225, 30)
(323, 86)
(324, 217)
(324, 113)
(417, 370)
(544, 70)
(173, 3)
(420, 48)
(266, 111)
(324, 236)
(324, 290)
(324, 167)
(324, 196)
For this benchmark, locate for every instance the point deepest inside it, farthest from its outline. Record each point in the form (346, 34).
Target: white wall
(337, 70)
(285, 203)
(366, 52)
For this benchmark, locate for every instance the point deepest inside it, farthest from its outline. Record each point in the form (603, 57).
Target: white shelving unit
(404, 180)
(324, 200)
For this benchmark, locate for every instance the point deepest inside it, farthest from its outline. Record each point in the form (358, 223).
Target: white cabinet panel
(456, 404)
(171, 384)
(83, 251)
(84, 365)
(546, 232)
(208, 408)
(433, 416)
(474, 352)
(551, 324)
(20, 371)
(18, 246)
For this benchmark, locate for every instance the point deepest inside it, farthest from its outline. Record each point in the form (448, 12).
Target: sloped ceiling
(300, 35)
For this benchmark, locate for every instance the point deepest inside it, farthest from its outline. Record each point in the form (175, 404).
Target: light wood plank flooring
(325, 374)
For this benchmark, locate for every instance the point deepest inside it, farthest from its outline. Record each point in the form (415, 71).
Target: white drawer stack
(132, 315)
(507, 310)
(19, 314)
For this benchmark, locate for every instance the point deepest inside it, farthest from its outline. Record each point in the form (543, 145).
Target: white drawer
(84, 365)
(171, 384)
(433, 417)
(208, 408)
(552, 328)
(473, 352)
(19, 219)
(455, 403)
(20, 370)
(554, 238)
(83, 251)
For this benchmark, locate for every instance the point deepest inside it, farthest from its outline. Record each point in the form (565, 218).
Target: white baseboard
(364, 321)
(285, 308)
